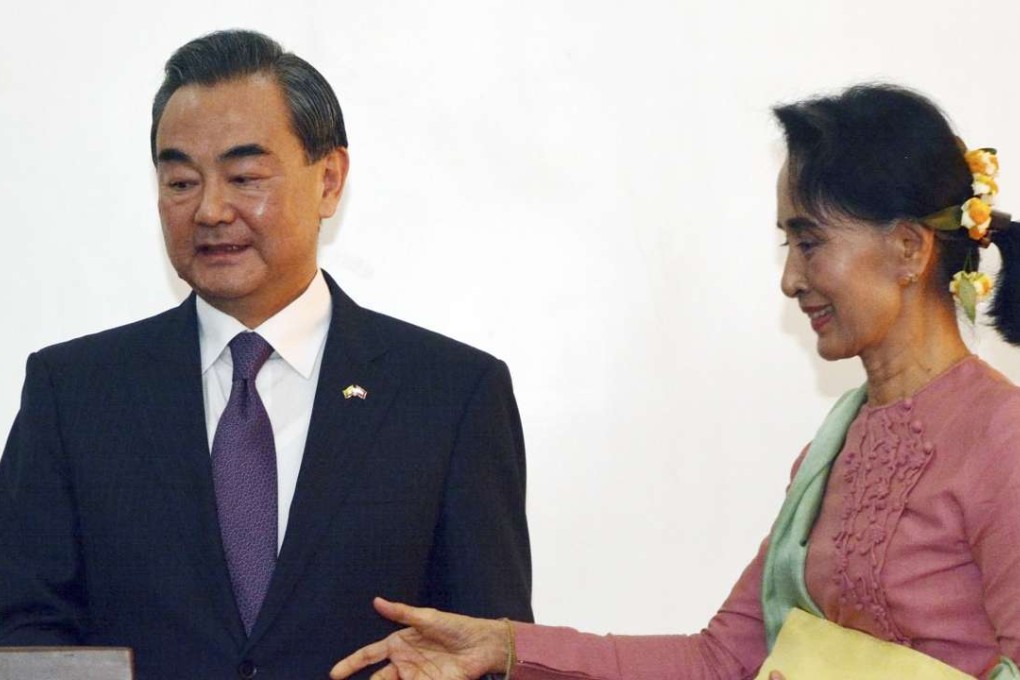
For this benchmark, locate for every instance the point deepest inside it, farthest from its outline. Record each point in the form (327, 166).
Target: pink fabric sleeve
(732, 646)
(990, 516)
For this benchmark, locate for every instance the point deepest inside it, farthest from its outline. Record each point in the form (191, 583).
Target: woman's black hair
(1005, 310)
(880, 153)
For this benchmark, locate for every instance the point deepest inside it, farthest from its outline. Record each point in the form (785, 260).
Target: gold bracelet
(511, 649)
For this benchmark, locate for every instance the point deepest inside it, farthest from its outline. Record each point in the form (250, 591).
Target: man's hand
(436, 646)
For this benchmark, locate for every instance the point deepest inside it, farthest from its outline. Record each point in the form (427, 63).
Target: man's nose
(215, 206)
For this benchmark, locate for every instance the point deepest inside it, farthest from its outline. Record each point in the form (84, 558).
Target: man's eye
(180, 184)
(244, 180)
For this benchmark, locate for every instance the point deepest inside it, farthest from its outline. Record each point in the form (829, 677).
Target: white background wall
(585, 188)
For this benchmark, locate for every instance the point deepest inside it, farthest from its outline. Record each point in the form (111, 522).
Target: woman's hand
(436, 646)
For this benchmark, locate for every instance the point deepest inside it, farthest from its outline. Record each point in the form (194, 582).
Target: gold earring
(908, 279)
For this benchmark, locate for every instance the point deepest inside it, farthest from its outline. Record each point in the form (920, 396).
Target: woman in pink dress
(915, 533)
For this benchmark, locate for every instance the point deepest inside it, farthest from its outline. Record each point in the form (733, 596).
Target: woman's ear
(914, 248)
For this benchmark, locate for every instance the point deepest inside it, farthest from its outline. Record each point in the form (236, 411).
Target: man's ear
(914, 246)
(333, 167)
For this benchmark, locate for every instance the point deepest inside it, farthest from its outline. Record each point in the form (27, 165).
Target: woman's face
(845, 275)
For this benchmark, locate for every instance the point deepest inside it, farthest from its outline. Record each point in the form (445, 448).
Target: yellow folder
(810, 648)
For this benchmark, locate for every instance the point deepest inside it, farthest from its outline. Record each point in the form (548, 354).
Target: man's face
(239, 204)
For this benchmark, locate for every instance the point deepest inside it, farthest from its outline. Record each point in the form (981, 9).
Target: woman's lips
(819, 316)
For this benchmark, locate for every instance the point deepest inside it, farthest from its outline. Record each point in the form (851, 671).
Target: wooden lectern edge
(51, 663)
(68, 649)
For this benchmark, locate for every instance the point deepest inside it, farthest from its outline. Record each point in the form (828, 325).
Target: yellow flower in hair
(981, 282)
(970, 288)
(982, 161)
(984, 185)
(983, 285)
(977, 217)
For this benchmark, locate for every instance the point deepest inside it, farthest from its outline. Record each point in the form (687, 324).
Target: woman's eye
(802, 245)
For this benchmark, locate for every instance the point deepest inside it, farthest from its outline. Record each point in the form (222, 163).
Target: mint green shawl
(783, 584)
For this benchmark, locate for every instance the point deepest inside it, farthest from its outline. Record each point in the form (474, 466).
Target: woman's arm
(992, 520)
(442, 646)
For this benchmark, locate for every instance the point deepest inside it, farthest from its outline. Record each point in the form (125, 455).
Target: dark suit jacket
(108, 526)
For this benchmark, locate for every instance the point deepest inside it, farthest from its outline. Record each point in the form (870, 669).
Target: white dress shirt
(286, 382)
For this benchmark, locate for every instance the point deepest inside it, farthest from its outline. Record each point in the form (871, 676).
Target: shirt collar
(297, 332)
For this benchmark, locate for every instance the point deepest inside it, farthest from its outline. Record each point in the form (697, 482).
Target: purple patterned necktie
(244, 474)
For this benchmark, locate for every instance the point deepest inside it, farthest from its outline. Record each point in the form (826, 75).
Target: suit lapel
(174, 415)
(340, 436)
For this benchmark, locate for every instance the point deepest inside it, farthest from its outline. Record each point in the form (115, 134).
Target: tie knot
(248, 351)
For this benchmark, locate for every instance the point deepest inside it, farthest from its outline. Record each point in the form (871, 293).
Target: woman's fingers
(366, 656)
(413, 651)
(414, 617)
(388, 673)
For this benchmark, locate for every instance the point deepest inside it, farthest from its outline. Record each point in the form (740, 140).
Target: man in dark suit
(138, 506)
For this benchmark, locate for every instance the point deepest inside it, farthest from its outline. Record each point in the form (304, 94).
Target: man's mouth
(220, 248)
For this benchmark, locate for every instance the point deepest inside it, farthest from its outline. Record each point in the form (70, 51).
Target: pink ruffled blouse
(917, 542)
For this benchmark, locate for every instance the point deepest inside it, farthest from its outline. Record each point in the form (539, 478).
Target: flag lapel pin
(355, 391)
